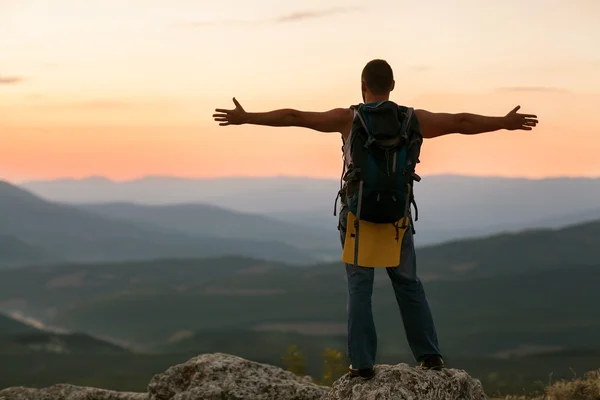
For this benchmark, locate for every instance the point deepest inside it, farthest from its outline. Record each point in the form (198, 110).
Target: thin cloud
(304, 15)
(11, 80)
(286, 18)
(539, 89)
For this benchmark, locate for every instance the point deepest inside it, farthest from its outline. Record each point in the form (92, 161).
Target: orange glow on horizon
(127, 89)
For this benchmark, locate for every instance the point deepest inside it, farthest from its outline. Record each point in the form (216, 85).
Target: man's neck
(376, 99)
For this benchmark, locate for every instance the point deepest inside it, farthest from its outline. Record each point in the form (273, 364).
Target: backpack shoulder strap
(357, 113)
(405, 115)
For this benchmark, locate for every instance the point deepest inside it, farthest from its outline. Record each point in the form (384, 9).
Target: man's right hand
(515, 121)
(237, 116)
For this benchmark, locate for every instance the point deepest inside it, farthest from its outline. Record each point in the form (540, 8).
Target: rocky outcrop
(225, 377)
(403, 382)
(67, 392)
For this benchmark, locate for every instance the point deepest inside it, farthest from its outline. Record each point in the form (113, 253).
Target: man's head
(377, 80)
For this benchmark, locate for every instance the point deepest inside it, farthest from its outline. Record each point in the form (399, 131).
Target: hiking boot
(365, 374)
(433, 362)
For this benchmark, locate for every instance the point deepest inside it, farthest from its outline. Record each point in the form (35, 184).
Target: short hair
(378, 76)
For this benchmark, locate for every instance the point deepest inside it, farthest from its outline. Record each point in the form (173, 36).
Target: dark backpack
(385, 144)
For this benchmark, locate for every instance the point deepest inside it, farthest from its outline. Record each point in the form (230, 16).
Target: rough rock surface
(67, 392)
(225, 377)
(403, 382)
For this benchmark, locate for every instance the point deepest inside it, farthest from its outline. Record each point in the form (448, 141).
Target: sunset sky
(125, 89)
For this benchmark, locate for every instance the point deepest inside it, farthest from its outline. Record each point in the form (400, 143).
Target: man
(376, 84)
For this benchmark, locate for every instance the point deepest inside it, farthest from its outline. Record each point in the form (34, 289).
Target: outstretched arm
(336, 120)
(439, 124)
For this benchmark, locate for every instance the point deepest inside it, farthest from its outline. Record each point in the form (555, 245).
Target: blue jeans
(411, 299)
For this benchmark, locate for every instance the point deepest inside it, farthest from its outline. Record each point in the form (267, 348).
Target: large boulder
(225, 377)
(67, 392)
(403, 382)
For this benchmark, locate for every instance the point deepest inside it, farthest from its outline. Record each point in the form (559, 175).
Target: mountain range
(37, 231)
(44, 231)
(212, 221)
(450, 207)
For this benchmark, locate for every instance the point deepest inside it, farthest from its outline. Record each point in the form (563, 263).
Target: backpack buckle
(352, 175)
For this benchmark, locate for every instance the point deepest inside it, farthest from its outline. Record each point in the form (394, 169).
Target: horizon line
(280, 176)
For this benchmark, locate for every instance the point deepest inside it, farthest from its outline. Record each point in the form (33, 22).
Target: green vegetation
(586, 388)
(294, 361)
(148, 303)
(335, 364)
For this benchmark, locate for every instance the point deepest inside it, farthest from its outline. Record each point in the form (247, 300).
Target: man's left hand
(237, 116)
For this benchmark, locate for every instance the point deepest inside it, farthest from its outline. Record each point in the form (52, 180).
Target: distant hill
(19, 338)
(15, 252)
(208, 220)
(78, 235)
(451, 207)
(54, 343)
(261, 195)
(569, 219)
(10, 326)
(513, 253)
